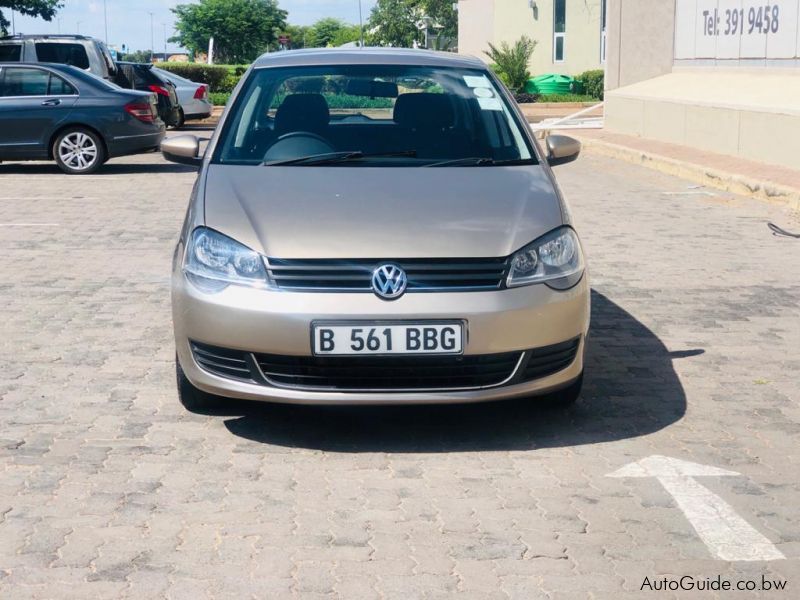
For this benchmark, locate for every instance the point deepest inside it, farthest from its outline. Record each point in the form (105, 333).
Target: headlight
(555, 259)
(214, 261)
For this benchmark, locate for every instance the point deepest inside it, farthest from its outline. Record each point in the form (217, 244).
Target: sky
(129, 21)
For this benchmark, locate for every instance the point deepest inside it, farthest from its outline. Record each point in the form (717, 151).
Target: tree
(137, 56)
(394, 23)
(444, 15)
(299, 36)
(325, 31)
(511, 61)
(34, 8)
(242, 29)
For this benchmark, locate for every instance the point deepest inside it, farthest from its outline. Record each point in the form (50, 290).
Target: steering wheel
(296, 144)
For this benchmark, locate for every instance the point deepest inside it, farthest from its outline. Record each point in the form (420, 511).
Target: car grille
(232, 364)
(451, 274)
(550, 359)
(386, 373)
(389, 372)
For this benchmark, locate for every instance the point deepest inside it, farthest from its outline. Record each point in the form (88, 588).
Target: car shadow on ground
(630, 390)
(111, 168)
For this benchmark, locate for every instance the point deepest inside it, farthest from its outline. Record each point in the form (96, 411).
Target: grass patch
(567, 98)
(219, 98)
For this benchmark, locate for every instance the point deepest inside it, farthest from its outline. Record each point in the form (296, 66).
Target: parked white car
(192, 97)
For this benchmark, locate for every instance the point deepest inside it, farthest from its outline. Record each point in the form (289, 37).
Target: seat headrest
(302, 112)
(430, 111)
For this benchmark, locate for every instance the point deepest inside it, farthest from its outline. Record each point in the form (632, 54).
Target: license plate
(337, 339)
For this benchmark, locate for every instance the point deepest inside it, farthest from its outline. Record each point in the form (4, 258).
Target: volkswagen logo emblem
(389, 282)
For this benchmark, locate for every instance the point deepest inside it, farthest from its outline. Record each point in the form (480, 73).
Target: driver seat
(302, 112)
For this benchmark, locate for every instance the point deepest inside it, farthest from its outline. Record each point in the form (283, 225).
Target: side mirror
(183, 149)
(562, 149)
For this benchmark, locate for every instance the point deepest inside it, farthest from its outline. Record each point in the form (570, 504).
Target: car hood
(366, 212)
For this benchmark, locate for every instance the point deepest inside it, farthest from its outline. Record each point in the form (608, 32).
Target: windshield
(371, 115)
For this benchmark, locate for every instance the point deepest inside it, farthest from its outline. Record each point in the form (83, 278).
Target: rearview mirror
(562, 149)
(183, 149)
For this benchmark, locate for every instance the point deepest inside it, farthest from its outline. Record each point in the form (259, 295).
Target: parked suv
(79, 51)
(377, 227)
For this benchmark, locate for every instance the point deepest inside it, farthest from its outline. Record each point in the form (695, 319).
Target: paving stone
(109, 489)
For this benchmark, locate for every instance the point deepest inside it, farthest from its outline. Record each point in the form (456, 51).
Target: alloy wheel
(78, 151)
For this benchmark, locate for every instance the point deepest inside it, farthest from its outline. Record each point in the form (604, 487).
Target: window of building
(559, 29)
(603, 18)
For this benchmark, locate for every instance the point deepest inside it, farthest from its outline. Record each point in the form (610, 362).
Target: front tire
(193, 399)
(79, 151)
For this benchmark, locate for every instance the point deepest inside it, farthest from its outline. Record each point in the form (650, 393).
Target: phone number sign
(737, 29)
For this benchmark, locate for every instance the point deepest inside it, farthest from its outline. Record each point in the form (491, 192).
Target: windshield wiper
(477, 161)
(336, 157)
(480, 161)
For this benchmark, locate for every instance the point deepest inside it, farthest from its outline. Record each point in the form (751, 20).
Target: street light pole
(165, 41)
(361, 23)
(79, 27)
(13, 25)
(152, 37)
(105, 20)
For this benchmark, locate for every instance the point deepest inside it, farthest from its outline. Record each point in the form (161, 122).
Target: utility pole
(105, 20)
(165, 41)
(152, 37)
(361, 23)
(13, 25)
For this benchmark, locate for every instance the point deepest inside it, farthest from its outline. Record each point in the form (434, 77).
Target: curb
(721, 180)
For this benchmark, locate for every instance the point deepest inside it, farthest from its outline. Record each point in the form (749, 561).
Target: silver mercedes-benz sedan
(376, 226)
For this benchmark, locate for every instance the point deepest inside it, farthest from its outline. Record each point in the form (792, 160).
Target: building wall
(497, 21)
(475, 26)
(640, 40)
(734, 95)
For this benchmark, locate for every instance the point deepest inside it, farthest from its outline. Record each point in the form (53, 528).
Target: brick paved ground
(109, 489)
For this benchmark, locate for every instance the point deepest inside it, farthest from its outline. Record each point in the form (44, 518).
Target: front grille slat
(550, 359)
(388, 372)
(222, 361)
(462, 274)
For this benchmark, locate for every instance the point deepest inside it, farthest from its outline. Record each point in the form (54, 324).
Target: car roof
(367, 56)
(45, 65)
(45, 36)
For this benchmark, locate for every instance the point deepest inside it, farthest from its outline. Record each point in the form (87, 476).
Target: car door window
(24, 82)
(10, 52)
(59, 87)
(63, 54)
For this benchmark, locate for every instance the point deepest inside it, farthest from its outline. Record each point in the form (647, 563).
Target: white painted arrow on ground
(727, 535)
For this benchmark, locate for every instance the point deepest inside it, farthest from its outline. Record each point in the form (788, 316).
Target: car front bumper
(279, 322)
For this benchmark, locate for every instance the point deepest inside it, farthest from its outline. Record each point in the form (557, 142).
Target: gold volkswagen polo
(376, 226)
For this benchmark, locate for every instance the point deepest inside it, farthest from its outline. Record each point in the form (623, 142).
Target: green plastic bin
(553, 83)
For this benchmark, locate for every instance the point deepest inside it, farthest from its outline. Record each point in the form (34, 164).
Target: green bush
(566, 98)
(228, 83)
(219, 98)
(213, 75)
(511, 61)
(593, 83)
